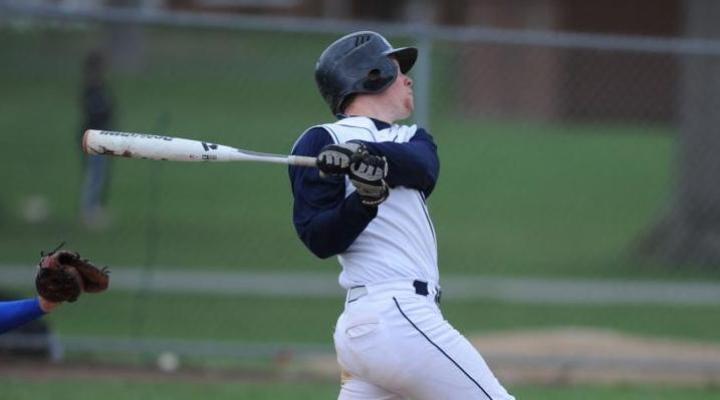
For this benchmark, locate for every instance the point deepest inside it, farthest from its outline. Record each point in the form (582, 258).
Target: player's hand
(335, 159)
(368, 176)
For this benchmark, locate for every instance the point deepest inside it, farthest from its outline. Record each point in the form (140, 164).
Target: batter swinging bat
(159, 147)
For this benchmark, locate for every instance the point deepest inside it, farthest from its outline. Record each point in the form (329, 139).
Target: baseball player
(366, 203)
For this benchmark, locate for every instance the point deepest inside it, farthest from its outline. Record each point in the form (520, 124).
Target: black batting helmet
(359, 63)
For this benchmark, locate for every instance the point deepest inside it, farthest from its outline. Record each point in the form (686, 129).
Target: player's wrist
(356, 205)
(46, 305)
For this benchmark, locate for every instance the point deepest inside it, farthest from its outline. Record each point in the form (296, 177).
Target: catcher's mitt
(63, 276)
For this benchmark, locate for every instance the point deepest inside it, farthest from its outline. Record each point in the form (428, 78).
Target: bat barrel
(140, 145)
(88, 136)
(159, 147)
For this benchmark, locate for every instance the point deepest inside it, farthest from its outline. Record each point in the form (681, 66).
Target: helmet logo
(360, 39)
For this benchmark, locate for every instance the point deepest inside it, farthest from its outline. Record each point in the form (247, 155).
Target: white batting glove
(335, 159)
(368, 177)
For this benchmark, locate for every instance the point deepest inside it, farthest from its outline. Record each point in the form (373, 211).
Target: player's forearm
(330, 232)
(414, 164)
(18, 312)
(326, 221)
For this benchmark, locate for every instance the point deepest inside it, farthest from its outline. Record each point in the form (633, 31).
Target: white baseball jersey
(399, 243)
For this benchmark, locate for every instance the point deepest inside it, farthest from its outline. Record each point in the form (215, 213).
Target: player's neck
(362, 106)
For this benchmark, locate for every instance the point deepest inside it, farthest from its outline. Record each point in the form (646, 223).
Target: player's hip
(402, 343)
(384, 312)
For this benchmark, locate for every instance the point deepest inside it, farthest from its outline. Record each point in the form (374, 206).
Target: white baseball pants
(395, 344)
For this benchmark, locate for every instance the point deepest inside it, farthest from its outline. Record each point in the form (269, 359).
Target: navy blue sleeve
(326, 221)
(18, 312)
(414, 164)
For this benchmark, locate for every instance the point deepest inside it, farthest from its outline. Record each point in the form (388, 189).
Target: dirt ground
(574, 355)
(557, 356)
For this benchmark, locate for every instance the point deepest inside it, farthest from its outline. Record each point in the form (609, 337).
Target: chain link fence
(562, 158)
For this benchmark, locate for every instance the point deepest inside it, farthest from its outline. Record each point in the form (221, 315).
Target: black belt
(421, 288)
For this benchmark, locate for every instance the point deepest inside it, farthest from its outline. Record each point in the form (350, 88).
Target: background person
(98, 113)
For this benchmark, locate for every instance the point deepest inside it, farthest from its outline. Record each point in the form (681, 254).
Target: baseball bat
(160, 147)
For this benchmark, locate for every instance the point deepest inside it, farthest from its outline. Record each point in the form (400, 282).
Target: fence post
(422, 13)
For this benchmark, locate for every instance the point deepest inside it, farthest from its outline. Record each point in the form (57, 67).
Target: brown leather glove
(63, 276)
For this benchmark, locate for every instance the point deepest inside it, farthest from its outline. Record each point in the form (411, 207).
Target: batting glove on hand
(368, 176)
(335, 159)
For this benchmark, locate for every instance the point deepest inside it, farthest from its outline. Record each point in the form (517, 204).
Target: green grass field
(267, 319)
(22, 389)
(514, 197)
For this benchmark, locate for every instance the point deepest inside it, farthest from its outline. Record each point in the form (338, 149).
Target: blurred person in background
(98, 112)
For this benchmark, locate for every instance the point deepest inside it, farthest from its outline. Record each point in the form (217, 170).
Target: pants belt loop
(355, 293)
(421, 288)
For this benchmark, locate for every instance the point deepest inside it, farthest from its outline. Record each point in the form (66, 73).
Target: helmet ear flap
(374, 80)
(378, 78)
(373, 75)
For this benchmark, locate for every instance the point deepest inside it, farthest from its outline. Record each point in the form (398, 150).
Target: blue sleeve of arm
(414, 164)
(18, 312)
(326, 221)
